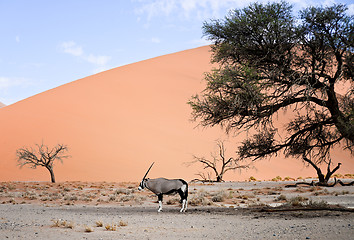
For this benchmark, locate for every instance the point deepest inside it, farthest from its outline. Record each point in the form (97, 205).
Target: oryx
(161, 186)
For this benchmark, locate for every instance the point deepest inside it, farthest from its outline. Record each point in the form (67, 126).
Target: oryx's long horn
(148, 171)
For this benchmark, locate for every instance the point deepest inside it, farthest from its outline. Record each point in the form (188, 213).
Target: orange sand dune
(119, 121)
(2, 105)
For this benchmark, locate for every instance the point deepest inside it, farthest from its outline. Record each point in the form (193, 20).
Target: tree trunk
(322, 179)
(52, 177)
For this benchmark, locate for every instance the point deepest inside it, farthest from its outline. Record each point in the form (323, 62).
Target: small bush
(276, 179)
(200, 199)
(172, 201)
(124, 191)
(252, 179)
(314, 204)
(219, 196)
(348, 175)
(281, 198)
(297, 201)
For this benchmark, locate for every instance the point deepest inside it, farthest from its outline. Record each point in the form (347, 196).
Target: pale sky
(45, 44)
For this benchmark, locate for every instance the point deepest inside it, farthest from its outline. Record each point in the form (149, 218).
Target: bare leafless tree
(219, 163)
(42, 155)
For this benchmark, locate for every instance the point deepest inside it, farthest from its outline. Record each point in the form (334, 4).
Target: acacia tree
(219, 163)
(271, 61)
(42, 156)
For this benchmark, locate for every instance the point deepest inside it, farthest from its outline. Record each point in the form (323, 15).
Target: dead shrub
(219, 196)
(297, 201)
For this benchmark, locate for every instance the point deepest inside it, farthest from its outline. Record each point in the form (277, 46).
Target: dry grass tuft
(111, 227)
(63, 223)
(122, 223)
(88, 229)
(99, 224)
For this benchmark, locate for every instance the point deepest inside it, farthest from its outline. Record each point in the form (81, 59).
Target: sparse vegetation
(103, 193)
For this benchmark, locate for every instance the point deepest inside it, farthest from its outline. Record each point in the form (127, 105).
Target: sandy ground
(231, 210)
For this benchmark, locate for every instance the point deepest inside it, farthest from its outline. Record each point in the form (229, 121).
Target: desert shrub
(112, 197)
(287, 178)
(316, 204)
(297, 201)
(173, 200)
(340, 193)
(281, 198)
(315, 188)
(231, 194)
(70, 198)
(276, 179)
(246, 196)
(252, 179)
(124, 191)
(200, 199)
(133, 197)
(29, 195)
(219, 196)
(44, 199)
(323, 192)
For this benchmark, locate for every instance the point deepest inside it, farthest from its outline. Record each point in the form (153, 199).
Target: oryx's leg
(160, 202)
(184, 205)
(183, 200)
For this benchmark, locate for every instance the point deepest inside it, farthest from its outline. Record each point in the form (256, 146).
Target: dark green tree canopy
(271, 61)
